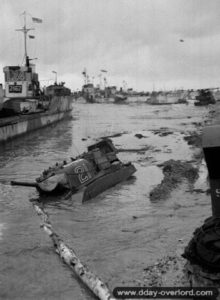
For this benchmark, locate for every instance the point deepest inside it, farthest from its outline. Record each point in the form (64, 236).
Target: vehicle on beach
(205, 97)
(120, 98)
(87, 175)
(25, 105)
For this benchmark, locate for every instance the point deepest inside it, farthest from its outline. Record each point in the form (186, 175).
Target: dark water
(100, 231)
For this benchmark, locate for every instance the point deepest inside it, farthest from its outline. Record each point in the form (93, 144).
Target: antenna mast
(25, 30)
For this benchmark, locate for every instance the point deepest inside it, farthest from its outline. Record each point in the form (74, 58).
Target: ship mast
(25, 30)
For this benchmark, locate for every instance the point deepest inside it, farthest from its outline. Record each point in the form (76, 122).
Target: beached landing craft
(26, 106)
(86, 175)
(167, 98)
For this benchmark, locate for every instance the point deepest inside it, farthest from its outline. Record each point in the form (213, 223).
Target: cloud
(135, 40)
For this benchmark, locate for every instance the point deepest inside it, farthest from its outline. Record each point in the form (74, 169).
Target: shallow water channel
(112, 233)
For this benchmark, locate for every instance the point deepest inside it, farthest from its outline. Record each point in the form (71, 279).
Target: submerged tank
(88, 174)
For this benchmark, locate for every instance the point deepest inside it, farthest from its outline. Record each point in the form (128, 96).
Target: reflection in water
(108, 232)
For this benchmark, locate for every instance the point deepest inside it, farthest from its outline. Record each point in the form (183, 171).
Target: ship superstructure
(21, 81)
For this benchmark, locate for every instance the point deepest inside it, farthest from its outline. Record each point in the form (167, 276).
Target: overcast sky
(137, 41)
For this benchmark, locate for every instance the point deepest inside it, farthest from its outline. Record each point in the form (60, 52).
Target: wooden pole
(95, 284)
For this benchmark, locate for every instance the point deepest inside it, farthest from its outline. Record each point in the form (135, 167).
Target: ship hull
(16, 126)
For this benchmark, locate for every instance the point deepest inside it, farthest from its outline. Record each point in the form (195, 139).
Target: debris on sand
(162, 272)
(198, 124)
(135, 150)
(163, 131)
(69, 257)
(139, 135)
(175, 171)
(114, 135)
(194, 139)
(199, 191)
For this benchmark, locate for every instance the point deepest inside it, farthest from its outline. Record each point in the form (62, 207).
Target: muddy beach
(132, 234)
(185, 186)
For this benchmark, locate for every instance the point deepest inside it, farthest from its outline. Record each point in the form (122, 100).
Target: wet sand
(187, 189)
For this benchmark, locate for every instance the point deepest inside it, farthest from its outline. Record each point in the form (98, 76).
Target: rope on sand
(99, 288)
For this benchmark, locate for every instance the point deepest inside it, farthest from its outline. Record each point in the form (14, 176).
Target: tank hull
(98, 185)
(107, 181)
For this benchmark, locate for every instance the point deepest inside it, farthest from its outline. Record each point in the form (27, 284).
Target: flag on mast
(36, 20)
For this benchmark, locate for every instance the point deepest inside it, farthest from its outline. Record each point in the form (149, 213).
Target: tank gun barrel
(24, 183)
